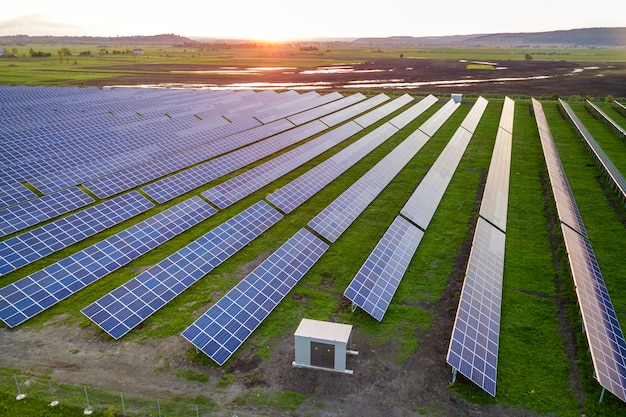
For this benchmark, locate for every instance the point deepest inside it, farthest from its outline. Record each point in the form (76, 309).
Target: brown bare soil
(566, 78)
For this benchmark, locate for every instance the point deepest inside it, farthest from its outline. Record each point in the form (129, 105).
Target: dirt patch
(527, 78)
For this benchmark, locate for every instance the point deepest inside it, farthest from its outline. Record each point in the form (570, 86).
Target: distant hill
(164, 39)
(590, 37)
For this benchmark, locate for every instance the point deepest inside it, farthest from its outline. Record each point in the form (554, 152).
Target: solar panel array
(220, 331)
(292, 195)
(233, 190)
(374, 285)
(609, 121)
(26, 214)
(342, 115)
(339, 214)
(615, 177)
(473, 348)
(604, 334)
(127, 306)
(185, 181)
(31, 295)
(35, 244)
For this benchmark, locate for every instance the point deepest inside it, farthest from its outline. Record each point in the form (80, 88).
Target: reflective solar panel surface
(184, 181)
(124, 308)
(473, 349)
(340, 214)
(35, 244)
(602, 328)
(421, 205)
(378, 113)
(30, 295)
(40, 209)
(377, 280)
(233, 190)
(340, 116)
(496, 195)
(220, 331)
(565, 203)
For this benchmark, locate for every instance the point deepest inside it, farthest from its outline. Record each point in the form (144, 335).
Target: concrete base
(299, 365)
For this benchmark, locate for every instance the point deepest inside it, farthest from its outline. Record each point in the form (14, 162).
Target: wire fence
(97, 401)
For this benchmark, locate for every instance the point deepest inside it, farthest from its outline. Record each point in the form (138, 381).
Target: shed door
(323, 355)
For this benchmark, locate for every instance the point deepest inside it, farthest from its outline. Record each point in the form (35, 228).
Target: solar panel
(131, 177)
(422, 204)
(293, 194)
(220, 331)
(340, 116)
(340, 214)
(317, 112)
(35, 244)
(565, 203)
(233, 190)
(377, 280)
(127, 306)
(14, 193)
(473, 347)
(40, 209)
(412, 113)
(613, 174)
(37, 292)
(604, 334)
(187, 180)
(496, 195)
(385, 110)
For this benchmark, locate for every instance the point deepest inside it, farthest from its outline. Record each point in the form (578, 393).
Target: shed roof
(324, 330)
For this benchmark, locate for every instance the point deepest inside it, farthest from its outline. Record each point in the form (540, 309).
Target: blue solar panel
(35, 244)
(473, 347)
(340, 214)
(604, 334)
(189, 179)
(124, 308)
(377, 280)
(30, 295)
(220, 331)
(14, 193)
(233, 190)
(41, 209)
(140, 174)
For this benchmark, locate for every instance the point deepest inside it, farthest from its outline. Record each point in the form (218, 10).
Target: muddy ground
(526, 78)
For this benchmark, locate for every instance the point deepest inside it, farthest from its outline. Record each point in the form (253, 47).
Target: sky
(279, 20)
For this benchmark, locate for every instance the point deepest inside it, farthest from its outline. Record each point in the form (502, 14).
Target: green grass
(534, 369)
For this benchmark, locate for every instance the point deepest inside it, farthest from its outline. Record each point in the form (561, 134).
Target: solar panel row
(374, 285)
(187, 180)
(474, 343)
(37, 292)
(604, 334)
(35, 244)
(137, 175)
(317, 112)
(473, 348)
(390, 258)
(339, 214)
(616, 178)
(609, 121)
(340, 116)
(378, 113)
(233, 190)
(220, 331)
(16, 218)
(127, 306)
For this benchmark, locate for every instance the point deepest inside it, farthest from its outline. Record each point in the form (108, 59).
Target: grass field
(543, 365)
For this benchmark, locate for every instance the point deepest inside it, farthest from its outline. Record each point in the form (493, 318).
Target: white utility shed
(322, 345)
